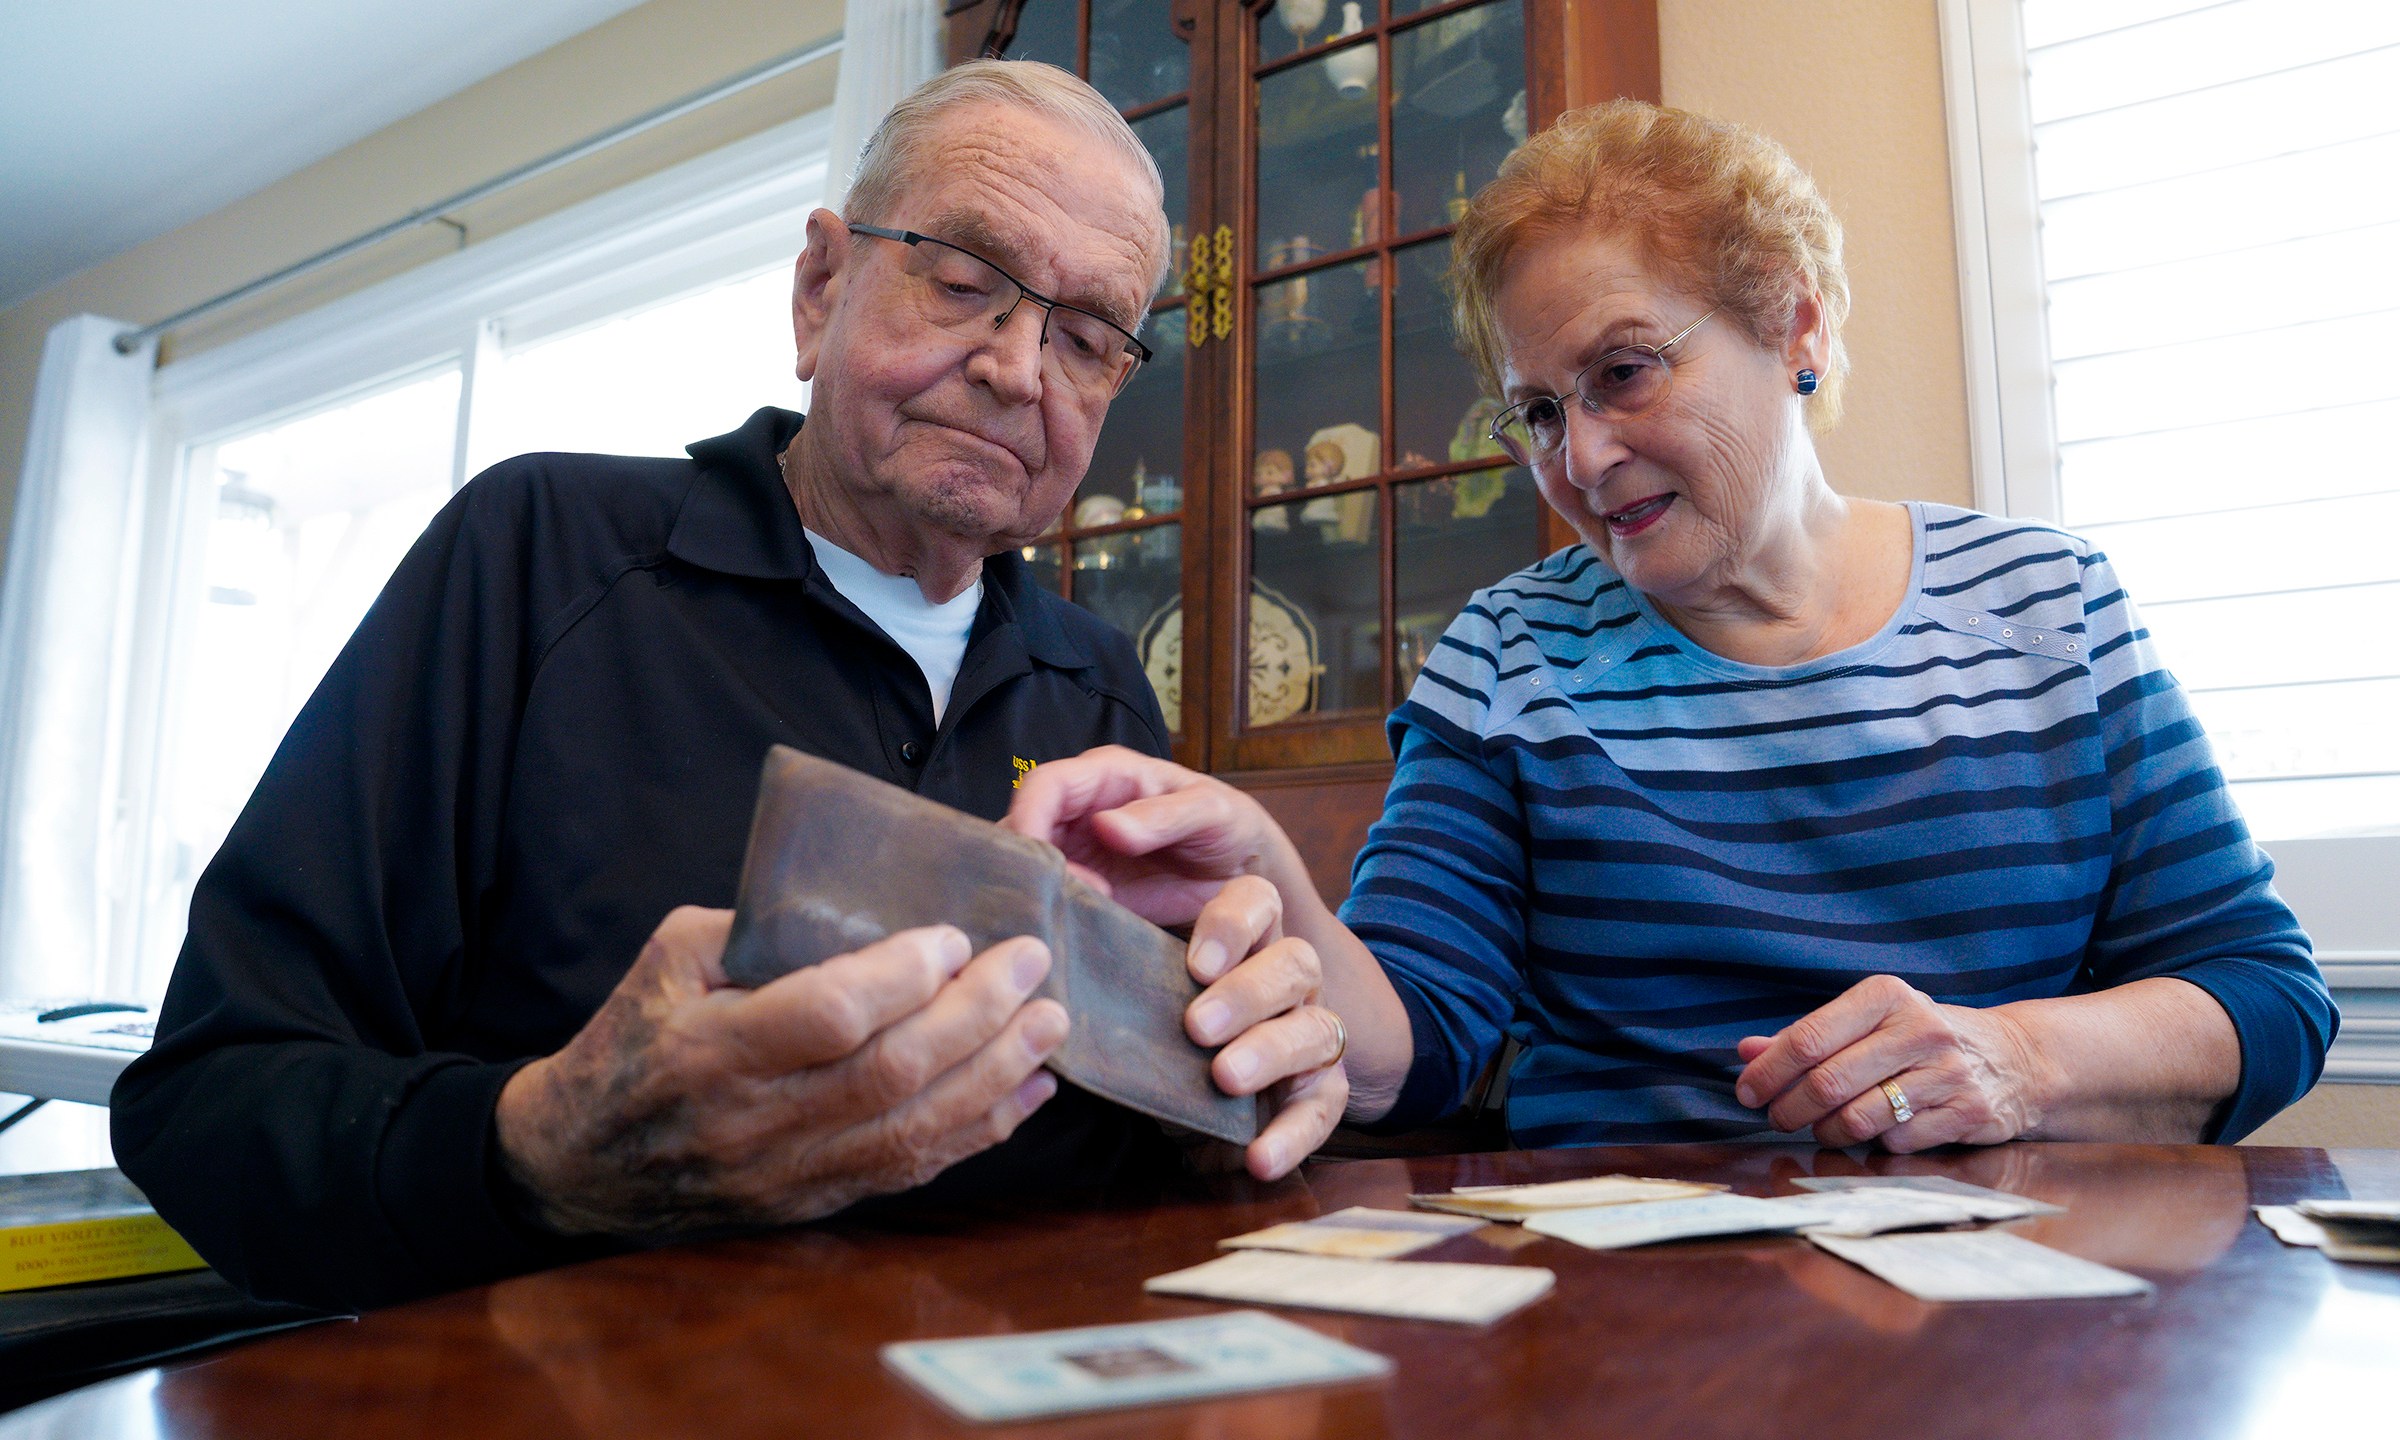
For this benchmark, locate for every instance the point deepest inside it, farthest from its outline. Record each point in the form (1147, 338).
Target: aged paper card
(1512, 1203)
(1408, 1289)
(1980, 1265)
(1619, 1227)
(1359, 1233)
(1065, 1372)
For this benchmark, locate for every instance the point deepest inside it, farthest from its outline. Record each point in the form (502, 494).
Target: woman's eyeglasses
(966, 294)
(1618, 386)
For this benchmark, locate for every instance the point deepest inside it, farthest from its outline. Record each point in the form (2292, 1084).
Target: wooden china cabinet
(1289, 504)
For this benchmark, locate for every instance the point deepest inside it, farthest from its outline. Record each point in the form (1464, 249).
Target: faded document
(1619, 1227)
(1408, 1289)
(1980, 1265)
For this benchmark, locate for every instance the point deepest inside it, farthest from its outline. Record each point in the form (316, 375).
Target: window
(645, 382)
(2217, 262)
(2176, 225)
(2206, 245)
(309, 517)
(295, 467)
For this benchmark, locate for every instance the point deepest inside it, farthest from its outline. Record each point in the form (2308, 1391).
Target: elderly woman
(1763, 808)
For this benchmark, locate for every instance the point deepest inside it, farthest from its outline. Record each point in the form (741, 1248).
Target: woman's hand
(1177, 847)
(1969, 1076)
(1161, 839)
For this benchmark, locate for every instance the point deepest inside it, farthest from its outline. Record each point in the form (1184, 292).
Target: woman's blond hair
(1712, 207)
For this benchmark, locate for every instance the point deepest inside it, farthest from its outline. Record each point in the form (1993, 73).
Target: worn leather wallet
(838, 860)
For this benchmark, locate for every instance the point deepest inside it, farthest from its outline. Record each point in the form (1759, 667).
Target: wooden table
(1749, 1337)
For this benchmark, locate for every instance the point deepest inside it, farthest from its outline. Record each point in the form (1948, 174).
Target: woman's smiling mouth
(1639, 516)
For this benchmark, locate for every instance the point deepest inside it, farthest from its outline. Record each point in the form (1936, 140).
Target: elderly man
(404, 1051)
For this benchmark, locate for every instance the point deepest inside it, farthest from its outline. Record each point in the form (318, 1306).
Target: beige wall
(634, 63)
(1853, 88)
(2355, 1116)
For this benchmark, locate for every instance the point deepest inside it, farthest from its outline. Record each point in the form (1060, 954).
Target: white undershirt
(935, 636)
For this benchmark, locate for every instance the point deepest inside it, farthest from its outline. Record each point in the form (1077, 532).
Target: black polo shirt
(545, 735)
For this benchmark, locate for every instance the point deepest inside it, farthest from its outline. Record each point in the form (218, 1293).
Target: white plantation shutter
(2179, 265)
(2218, 190)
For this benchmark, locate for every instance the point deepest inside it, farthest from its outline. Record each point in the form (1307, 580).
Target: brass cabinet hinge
(1208, 311)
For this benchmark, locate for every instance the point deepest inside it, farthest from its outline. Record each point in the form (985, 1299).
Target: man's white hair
(897, 150)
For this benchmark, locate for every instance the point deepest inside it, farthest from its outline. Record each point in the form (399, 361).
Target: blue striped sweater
(1627, 852)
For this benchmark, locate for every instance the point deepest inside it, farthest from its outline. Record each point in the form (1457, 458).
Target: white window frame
(2012, 436)
(2341, 888)
(739, 208)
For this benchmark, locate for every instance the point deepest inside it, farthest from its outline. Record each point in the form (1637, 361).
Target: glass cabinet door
(1119, 549)
(1373, 499)
(1291, 503)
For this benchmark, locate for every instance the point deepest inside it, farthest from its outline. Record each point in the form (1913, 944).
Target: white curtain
(72, 538)
(889, 47)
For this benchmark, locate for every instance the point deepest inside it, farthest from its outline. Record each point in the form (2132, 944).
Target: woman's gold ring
(1898, 1098)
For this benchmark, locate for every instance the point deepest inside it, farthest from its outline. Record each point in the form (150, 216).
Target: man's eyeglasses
(968, 295)
(1618, 386)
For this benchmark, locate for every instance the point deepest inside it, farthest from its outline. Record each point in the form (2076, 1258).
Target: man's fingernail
(1272, 1152)
(1038, 1087)
(1241, 1065)
(1211, 1018)
(1746, 1095)
(950, 946)
(1031, 964)
(1208, 960)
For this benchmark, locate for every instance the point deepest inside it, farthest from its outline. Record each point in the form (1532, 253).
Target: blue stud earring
(1805, 382)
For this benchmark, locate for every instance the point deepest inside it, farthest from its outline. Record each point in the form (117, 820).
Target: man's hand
(1261, 1005)
(689, 1104)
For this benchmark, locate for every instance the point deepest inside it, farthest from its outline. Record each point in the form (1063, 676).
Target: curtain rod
(133, 340)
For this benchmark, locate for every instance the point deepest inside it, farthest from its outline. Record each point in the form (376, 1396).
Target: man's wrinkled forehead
(1061, 211)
